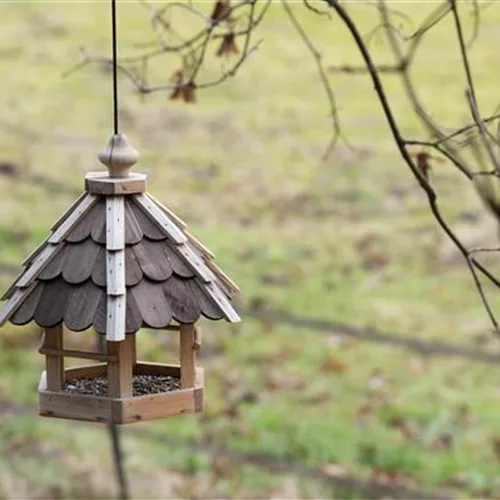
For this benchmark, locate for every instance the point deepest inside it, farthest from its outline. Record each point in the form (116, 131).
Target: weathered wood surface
(51, 307)
(187, 356)
(100, 183)
(53, 339)
(121, 367)
(79, 261)
(69, 353)
(116, 317)
(73, 219)
(123, 246)
(152, 304)
(177, 220)
(155, 406)
(115, 272)
(120, 410)
(83, 229)
(115, 223)
(82, 305)
(148, 227)
(159, 218)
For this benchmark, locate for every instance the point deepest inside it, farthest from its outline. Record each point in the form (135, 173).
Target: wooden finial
(118, 156)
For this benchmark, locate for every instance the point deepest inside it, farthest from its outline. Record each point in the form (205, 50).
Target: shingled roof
(118, 263)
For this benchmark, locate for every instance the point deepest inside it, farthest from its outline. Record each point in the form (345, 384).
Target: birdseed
(142, 385)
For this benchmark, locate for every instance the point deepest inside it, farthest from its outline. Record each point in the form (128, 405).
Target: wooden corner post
(53, 339)
(121, 367)
(188, 355)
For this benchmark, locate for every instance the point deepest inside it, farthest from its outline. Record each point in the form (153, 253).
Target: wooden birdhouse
(115, 262)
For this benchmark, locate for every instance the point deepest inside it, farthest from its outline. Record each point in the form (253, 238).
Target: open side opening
(120, 360)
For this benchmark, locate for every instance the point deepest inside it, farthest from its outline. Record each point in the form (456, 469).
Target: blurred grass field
(350, 239)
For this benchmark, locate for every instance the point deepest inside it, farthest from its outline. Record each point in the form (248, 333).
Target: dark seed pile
(142, 385)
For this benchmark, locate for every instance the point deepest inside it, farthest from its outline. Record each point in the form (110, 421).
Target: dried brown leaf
(221, 11)
(332, 365)
(228, 45)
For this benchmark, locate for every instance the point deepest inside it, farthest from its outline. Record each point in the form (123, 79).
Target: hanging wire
(115, 66)
(113, 429)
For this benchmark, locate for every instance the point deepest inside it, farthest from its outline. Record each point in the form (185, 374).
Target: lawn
(290, 411)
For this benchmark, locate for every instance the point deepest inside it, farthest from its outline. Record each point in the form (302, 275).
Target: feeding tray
(66, 404)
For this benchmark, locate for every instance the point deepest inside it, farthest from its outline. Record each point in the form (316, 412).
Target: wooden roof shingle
(108, 253)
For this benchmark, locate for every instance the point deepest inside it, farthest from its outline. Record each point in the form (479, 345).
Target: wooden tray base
(121, 411)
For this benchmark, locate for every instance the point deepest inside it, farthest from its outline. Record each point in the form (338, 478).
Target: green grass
(350, 239)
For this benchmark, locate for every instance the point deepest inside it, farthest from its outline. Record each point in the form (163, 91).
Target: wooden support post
(120, 369)
(54, 362)
(188, 355)
(133, 353)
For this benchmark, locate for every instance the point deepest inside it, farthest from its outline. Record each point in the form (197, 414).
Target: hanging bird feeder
(115, 262)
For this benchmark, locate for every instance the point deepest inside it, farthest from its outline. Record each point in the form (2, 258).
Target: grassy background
(349, 239)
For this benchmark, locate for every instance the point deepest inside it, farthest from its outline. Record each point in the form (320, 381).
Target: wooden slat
(83, 229)
(115, 272)
(14, 303)
(178, 264)
(75, 406)
(223, 276)
(133, 231)
(200, 246)
(133, 271)
(152, 303)
(160, 218)
(99, 231)
(52, 304)
(54, 227)
(198, 400)
(115, 318)
(167, 211)
(26, 311)
(115, 223)
(153, 260)
(133, 316)
(70, 222)
(68, 211)
(120, 371)
(100, 317)
(10, 291)
(154, 406)
(149, 368)
(38, 265)
(69, 353)
(53, 340)
(219, 297)
(79, 260)
(187, 356)
(209, 308)
(133, 350)
(34, 254)
(197, 338)
(99, 271)
(86, 371)
(82, 305)
(196, 263)
(185, 308)
(54, 268)
(149, 228)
